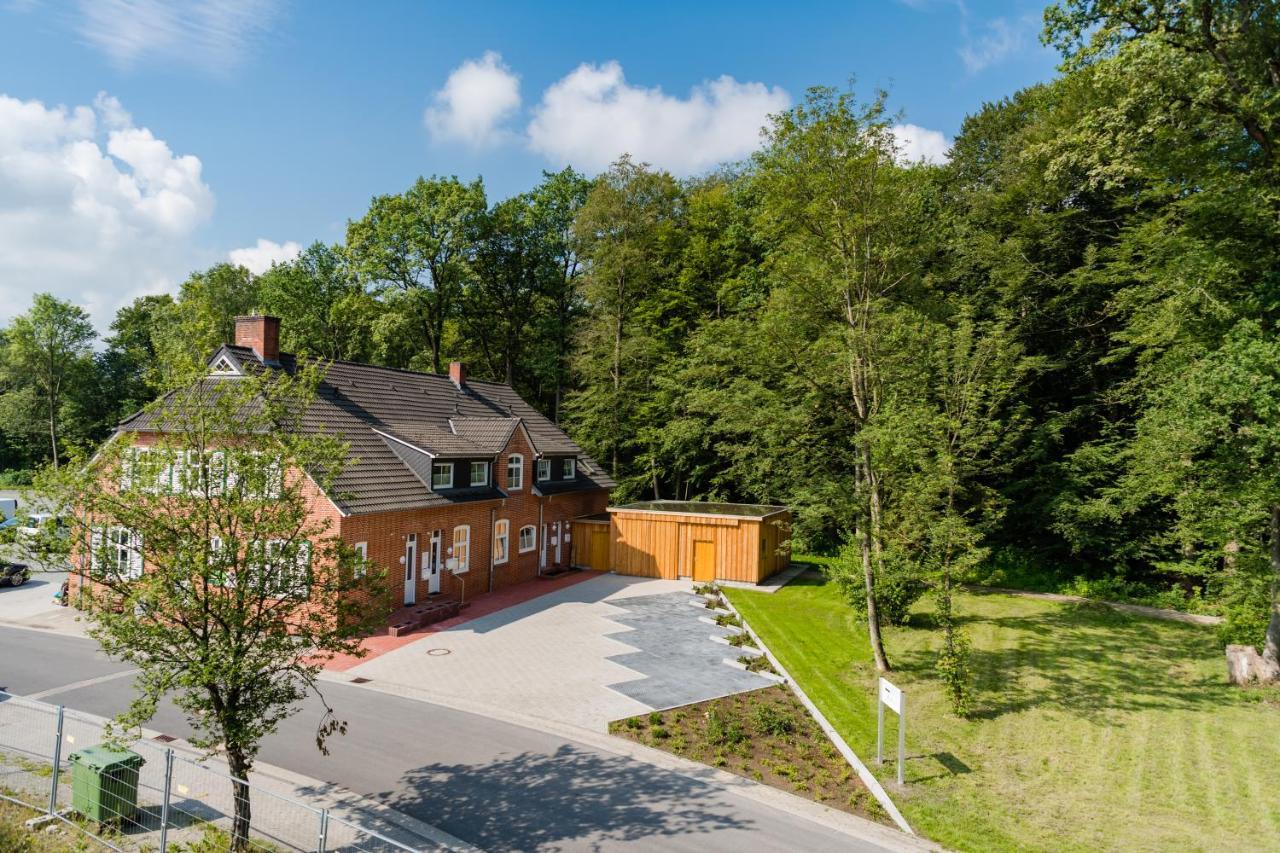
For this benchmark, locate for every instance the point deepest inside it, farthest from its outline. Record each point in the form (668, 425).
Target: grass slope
(1092, 729)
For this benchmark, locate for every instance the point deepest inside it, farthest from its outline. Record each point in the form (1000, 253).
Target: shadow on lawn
(534, 801)
(1087, 660)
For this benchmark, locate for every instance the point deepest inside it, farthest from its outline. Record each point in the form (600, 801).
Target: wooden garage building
(686, 539)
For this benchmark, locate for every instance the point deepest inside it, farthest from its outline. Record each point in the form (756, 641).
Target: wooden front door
(600, 549)
(704, 561)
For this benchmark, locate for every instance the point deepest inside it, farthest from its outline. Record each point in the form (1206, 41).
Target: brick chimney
(261, 334)
(458, 373)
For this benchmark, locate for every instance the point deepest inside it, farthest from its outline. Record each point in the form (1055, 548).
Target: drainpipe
(492, 514)
(542, 546)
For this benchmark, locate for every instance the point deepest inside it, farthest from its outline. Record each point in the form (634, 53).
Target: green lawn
(1092, 729)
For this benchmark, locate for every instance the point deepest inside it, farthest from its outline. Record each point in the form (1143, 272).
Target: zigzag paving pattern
(675, 655)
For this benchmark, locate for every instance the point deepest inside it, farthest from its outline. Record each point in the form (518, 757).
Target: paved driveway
(600, 650)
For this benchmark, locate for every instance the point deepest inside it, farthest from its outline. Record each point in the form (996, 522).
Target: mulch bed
(765, 735)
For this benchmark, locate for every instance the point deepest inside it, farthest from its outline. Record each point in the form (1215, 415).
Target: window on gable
(224, 367)
(515, 471)
(501, 540)
(479, 473)
(544, 470)
(528, 538)
(442, 475)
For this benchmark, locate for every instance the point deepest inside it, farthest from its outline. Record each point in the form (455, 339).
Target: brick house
(449, 479)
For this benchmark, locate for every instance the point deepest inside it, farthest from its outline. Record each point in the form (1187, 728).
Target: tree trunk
(240, 766)
(1271, 646)
(53, 431)
(869, 579)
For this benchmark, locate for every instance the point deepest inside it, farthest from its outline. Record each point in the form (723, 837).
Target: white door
(432, 559)
(555, 540)
(410, 561)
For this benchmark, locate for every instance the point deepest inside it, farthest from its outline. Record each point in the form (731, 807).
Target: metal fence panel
(180, 799)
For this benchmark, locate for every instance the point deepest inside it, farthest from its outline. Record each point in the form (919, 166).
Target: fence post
(324, 831)
(164, 804)
(57, 762)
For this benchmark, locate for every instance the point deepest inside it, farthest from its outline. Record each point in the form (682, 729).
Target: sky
(144, 139)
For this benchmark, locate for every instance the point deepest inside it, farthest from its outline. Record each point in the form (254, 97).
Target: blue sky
(141, 139)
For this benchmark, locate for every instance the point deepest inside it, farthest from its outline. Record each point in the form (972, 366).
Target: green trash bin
(104, 783)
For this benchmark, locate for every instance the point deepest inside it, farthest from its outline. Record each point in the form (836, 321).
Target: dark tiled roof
(371, 407)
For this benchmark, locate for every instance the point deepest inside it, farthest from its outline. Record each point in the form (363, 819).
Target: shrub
(899, 584)
(771, 720)
(633, 722)
(723, 730)
(659, 733)
(14, 479)
(728, 620)
(715, 603)
(655, 718)
(757, 663)
(741, 639)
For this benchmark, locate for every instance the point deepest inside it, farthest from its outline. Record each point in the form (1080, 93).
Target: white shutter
(304, 568)
(95, 550)
(217, 472)
(135, 555)
(127, 460)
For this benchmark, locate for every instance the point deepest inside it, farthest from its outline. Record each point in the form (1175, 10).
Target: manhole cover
(360, 680)
(438, 652)
(165, 738)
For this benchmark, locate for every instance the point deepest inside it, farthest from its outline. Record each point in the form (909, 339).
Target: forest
(1052, 359)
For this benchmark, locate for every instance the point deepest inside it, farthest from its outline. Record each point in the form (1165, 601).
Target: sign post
(891, 696)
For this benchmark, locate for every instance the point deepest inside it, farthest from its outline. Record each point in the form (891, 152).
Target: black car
(14, 574)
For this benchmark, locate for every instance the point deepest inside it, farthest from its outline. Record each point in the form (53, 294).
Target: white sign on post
(891, 696)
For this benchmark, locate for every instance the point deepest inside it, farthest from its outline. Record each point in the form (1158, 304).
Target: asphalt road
(496, 785)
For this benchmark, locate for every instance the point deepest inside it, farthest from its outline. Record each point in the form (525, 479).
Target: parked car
(14, 574)
(31, 525)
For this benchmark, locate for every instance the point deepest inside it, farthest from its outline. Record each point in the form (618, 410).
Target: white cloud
(471, 107)
(214, 34)
(592, 116)
(92, 208)
(917, 143)
(259, 258)
(998, 41)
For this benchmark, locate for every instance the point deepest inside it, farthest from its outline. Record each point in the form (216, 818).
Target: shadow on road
(532, 801)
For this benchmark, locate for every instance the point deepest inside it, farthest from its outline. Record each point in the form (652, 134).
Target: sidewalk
(480, 606)
(287, 807)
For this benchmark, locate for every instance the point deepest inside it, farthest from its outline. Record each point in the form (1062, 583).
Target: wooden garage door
(600, 548)
(704, 560)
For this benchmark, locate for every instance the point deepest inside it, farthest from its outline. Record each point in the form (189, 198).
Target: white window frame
(501, 541)
(362, 568)
(116, 551)
(515, 472)
(533, 539)
(569, 468)
(544, 470)
(302, 563)
(461, 550)
(484, 474)
(441, 466)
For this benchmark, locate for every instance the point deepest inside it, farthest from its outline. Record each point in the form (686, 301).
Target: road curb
(843, 822)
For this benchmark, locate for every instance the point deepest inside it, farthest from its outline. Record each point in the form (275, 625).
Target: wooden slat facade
(662, 545)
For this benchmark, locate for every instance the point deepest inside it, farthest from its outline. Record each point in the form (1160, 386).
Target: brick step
(412, 618)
